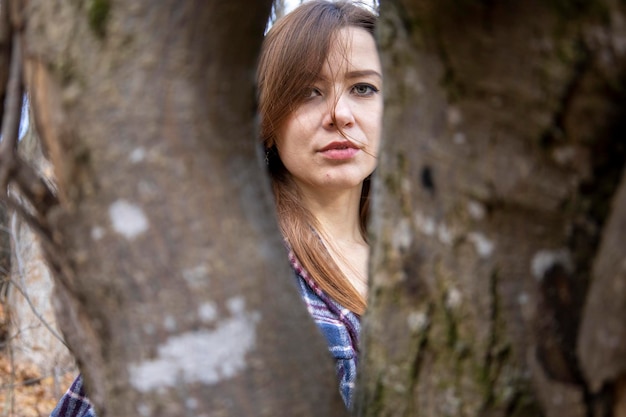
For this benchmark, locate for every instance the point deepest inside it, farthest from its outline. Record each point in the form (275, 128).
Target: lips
(340, 151)
(339, 146)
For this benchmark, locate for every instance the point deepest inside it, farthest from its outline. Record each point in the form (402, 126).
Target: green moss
(392, 183)
(452, 331)
(402, 162)
(65, 69)
(98, 12)
(375, 404)
(525, 405)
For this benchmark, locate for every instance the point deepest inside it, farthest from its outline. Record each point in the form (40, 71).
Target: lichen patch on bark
(183, 357)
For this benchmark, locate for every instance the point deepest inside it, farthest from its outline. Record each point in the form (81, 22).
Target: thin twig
(43, 321)
(12, 378)
(32, 381)
(33, 187)
(13, 112)
(30, 220)
(58, 259)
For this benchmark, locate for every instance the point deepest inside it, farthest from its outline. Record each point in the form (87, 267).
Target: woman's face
(323, 153)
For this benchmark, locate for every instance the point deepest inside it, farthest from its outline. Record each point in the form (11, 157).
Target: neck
(337, 213)
(339, 221)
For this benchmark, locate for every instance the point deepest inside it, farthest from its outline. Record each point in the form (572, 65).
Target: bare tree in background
(35, 351)
(279, 9)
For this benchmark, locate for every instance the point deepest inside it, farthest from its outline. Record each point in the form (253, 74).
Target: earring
(267, 156)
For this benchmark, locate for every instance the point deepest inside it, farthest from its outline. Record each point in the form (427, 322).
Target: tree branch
(12, 168)
(12, 114)
(5, 50)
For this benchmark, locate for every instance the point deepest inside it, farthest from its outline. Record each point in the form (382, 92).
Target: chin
(343, 184)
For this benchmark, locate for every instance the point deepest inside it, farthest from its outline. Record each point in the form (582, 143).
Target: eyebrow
(354, 74)
(363, 73)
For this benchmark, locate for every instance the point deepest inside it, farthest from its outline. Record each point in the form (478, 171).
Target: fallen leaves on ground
(25, 392)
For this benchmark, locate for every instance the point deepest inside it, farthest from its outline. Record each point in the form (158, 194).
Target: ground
(24, 392)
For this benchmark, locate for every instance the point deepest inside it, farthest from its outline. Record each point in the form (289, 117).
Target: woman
(320, 102)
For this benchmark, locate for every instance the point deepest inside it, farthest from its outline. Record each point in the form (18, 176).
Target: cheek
(287, 144)
(374, 113)
(374, 139)
(283, 133)
(292, 133)
(375, 129)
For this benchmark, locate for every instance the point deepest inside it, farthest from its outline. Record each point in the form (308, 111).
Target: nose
(339, 114)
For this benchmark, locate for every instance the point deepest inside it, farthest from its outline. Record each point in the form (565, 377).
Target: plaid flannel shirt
(339, 325)
(74, 403)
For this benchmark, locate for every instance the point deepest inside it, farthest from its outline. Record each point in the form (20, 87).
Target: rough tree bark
(498, 273)
(174, 290)
(498, 280)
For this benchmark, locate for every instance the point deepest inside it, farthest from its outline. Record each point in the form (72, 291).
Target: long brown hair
(292, 57)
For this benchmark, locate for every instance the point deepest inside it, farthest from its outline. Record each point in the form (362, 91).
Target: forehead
(352, 48)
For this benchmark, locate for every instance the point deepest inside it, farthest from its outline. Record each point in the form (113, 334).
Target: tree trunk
(497, 183)
(35, 339)
(174, 288)
(497, 268)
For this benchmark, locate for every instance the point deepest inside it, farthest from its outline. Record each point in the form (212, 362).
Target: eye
(364, 90)
(311, 92)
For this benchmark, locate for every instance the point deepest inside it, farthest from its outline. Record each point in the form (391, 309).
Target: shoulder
(74, 403)
(340, 326)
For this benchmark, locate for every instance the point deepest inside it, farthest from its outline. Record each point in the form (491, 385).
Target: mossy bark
(503, 149)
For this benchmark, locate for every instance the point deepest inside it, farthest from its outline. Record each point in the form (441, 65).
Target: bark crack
(498, 350)
(557, 130)
(418, 360)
